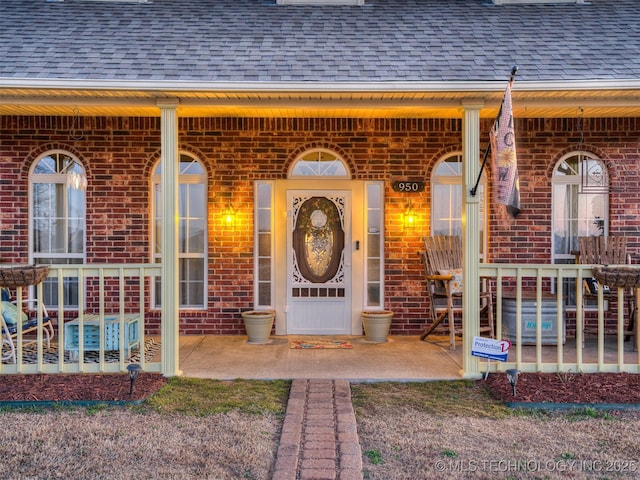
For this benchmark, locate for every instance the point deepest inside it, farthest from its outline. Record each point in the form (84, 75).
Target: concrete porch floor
(401, 358)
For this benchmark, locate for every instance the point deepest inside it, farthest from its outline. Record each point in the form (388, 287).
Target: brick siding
(119, 154)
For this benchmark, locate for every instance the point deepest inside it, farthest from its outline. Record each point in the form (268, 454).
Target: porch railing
(123, 291)
(530, 287)
(105, 331)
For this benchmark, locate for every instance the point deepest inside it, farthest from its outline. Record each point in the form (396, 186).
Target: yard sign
(490, 349)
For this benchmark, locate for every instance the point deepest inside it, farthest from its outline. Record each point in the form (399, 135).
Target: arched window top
(57, 162)
(319, 163)
(59, 166)
(584, 169)
(449, 166)
(189, 165)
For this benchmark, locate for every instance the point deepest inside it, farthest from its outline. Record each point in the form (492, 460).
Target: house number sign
(408, 187)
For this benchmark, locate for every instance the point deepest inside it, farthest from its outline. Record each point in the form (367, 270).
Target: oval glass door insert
(318, 239)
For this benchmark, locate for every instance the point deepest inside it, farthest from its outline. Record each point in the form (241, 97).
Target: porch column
(169, 232)
(470, 237)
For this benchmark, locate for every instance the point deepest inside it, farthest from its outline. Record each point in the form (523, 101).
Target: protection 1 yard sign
(490, 348)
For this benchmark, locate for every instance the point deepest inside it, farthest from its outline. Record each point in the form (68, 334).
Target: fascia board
(316, 87)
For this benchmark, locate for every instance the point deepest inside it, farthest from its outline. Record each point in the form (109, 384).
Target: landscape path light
(512, 376)
(133, 369)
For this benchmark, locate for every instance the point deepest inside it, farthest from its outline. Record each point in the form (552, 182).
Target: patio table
(91, 334)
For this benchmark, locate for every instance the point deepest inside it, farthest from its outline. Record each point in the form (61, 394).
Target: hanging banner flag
(503, 152)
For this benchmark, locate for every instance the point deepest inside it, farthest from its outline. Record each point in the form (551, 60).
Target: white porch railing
(123, 291)
(533, 285)
(116, 299)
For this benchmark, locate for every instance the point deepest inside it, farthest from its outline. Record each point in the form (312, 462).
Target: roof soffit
(396, 100)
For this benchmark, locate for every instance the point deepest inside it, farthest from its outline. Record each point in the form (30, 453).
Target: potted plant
(258, 324)
(376, 325)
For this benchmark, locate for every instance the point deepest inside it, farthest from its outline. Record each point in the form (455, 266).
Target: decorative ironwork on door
(318, 247)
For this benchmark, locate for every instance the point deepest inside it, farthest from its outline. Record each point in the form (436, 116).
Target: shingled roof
(258, 41)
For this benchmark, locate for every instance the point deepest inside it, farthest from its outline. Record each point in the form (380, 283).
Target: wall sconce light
(229, 215)
(409, 216)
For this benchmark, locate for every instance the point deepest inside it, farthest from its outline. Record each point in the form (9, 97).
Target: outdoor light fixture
(409, 216)
(512, 376)
(229, 215)
(133, 369)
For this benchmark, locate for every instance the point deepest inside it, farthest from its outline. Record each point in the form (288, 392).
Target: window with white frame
(580, 206)
(446, 199)
(580, 203)
(192, 231)
(374, 245)
(57, 184)
(264, 244)
(319, 163)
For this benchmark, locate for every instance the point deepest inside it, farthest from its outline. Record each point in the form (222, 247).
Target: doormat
(320, 344)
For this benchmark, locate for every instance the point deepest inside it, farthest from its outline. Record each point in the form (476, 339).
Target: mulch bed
(622, 388)
(75, 387)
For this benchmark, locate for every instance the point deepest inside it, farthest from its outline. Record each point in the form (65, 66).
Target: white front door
(318, 262)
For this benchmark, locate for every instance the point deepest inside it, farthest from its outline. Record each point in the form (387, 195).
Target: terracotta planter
(258, 324)
(376, 325)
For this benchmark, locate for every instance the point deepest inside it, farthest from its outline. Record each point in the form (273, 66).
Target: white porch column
(470, 238)
(169, 184)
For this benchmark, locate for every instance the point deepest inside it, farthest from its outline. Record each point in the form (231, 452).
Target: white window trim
(573, 180)
(183, 179)
(566, 180)
(256, 240)
(457, 180)
(338, 158)
(56, 178)
(381, 266)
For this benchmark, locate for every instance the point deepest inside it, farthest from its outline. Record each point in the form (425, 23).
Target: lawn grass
(189, 429)
(457, 398)
(456, 430)
(194, 428)
(202, 397)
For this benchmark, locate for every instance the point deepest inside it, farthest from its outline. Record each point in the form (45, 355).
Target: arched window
(192, 231)
(319, 163)
(57, 184)
(446, 199)
(580, 202)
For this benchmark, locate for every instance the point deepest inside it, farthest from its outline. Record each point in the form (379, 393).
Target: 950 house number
(408, 187)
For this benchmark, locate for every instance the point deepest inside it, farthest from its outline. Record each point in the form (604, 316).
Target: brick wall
(119, 154)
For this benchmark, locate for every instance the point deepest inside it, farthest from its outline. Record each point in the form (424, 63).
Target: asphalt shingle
(386, 40)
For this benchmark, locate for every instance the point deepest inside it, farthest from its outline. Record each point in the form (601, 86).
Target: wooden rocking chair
(605, 250)
(442, 261)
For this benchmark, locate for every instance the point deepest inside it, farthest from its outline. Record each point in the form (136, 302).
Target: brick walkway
(319, 439)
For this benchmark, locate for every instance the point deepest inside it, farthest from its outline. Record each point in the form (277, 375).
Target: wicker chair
(442, 260)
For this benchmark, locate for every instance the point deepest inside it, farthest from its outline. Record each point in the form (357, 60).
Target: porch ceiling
(390, 101)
